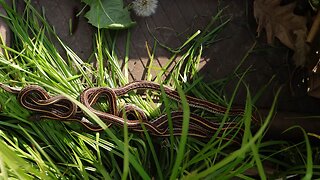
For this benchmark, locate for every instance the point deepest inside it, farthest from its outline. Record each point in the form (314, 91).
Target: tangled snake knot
(38, 100)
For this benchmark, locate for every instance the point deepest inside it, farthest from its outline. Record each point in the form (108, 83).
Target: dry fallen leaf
(280, 21)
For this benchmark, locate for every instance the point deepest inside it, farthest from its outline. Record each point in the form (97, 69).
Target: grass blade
(184, 134)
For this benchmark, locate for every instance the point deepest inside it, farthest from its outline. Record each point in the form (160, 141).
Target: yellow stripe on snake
(35, 98)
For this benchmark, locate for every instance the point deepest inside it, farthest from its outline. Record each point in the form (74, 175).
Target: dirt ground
(176, 20)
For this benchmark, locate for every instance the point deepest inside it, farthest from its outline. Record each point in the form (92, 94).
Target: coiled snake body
(35, 98)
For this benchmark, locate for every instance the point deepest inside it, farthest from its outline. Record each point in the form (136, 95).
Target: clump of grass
(53, 149)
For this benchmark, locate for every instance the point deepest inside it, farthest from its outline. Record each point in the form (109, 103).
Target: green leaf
(108, 14)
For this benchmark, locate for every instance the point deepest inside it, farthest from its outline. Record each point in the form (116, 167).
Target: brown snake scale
(36, 99)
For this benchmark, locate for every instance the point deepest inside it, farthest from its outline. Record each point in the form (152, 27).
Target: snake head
(10, 89)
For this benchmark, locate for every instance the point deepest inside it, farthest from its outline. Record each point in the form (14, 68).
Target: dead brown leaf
(280, 21)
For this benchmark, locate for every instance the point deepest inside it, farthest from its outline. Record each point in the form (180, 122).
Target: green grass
(51, 149)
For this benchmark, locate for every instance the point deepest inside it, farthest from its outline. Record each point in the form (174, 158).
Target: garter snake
(35, 98)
